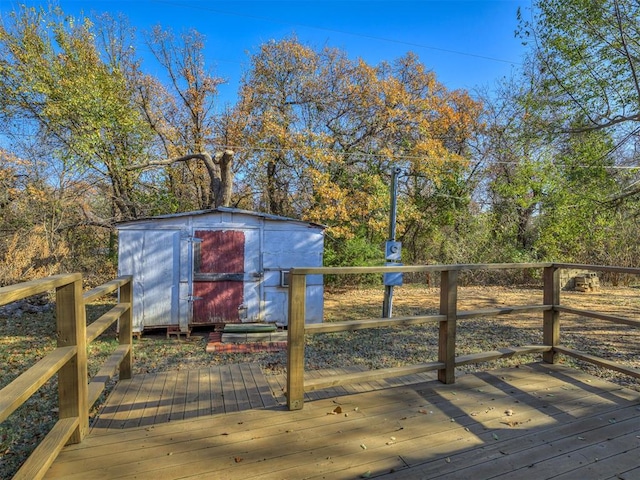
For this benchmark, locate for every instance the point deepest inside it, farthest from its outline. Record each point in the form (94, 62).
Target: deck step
(249, 328)
(254, 337)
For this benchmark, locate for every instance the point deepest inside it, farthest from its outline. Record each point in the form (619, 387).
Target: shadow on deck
(538, 420)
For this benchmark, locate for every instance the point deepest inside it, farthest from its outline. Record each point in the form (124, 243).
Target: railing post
(125, 332)
(72, 377)
(551, 318)
(447, 333)
(295, 341)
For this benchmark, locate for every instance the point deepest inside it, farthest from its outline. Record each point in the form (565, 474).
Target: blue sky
(468, 44)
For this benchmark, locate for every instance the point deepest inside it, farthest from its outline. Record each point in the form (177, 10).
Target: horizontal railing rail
(446, 319)
(69, 361)
(121, 360)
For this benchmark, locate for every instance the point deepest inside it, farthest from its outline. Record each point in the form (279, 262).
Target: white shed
(218, 266)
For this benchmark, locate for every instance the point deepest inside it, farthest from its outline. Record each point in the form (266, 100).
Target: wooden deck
(537, 421)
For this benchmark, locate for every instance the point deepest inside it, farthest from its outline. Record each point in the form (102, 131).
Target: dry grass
(25, 339)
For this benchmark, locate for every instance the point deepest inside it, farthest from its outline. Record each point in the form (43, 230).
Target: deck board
(536, 421)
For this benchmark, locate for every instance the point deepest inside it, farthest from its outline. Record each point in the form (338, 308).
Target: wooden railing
(447, 321)
(69, 361)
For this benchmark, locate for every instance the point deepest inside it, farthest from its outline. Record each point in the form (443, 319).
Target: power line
(342, 32)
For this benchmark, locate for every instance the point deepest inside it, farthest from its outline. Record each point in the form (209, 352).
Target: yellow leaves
(40, 259)
(36, 194)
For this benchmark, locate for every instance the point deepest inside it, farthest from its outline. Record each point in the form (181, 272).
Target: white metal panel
(160, 275)
(284, 248)
(130, 254)
(252, 291)
(275, 306)
(184, 305)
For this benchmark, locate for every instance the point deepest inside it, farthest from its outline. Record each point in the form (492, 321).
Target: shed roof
(266, 216)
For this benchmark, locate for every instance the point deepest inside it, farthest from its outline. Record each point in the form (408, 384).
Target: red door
(218, 277)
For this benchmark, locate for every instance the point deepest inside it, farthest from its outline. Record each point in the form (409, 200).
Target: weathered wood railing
(447, 320)
(69, 361)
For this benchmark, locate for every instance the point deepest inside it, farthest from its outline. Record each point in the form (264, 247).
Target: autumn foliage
(90, 138)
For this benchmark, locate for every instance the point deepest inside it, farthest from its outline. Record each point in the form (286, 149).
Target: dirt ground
(412, 299)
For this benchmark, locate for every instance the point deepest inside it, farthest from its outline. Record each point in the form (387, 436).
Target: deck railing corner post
(447, 328)
(72, 377)
(551, 317)
(125, 332)
(295, 340)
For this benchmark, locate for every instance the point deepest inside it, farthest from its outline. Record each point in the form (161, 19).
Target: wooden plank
(337, 390)
(495, 454)
(205, 400)
(255, 399)
(108, 369)
(36, 466)
(179, 398)
(554, 405)
(187, 457)
(494, 449)
(163, 411)
(419, 449)
(172, 439)
(228, 390)
(551, 318)
(239, 387)
(277, 385)
(360, 377)
(105, 321)
(150, 411)
(312, 395)
(125, 332)
(296, 341)
(590, 408)
(352, 325)
(599, 316)
(11, 293)
(601, 362)
(344, 445)
(447, 329)
(124, 398)
(140, 401)
(547, 462)
(599, 268)
(20, 389)
(249, 328)
(192, 402)
(105, 289)
(217, 394)
(500, 353)
(632, 474)
(71, 326)
(621, 464)
(267, 397)
(488, 312)
(307, 438)
(416, 268)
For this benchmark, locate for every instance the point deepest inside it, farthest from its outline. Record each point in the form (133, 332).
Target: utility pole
(393, 249)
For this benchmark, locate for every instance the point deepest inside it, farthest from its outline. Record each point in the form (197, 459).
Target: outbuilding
(218, 266)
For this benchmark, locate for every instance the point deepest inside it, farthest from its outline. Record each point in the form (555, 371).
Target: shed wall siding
(159, 254)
